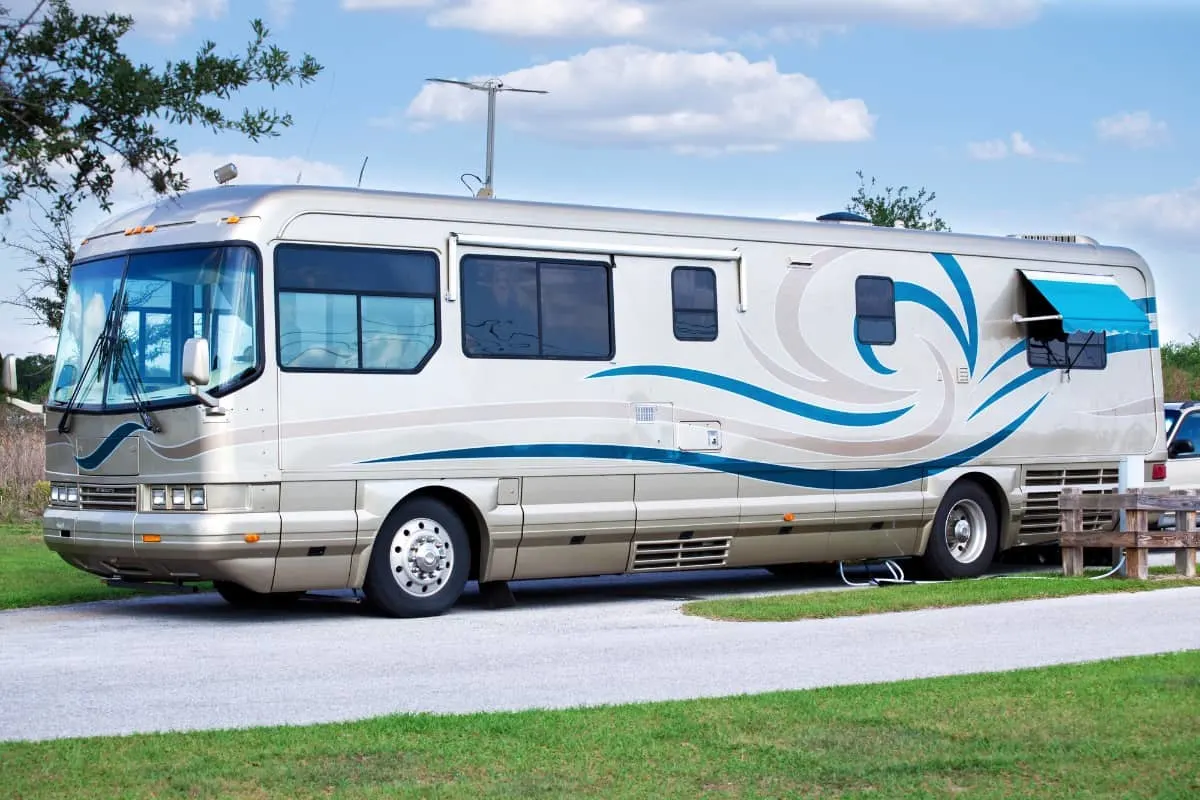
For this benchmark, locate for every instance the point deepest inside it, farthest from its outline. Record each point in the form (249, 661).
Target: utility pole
(492, 87)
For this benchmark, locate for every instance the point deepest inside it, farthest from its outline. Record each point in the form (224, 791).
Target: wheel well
(999, 501)
(467, 512)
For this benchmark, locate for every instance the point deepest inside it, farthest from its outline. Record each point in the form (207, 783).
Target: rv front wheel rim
(422, 557)
(966, 531)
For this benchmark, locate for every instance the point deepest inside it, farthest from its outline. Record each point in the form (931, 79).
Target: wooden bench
(1137, 539)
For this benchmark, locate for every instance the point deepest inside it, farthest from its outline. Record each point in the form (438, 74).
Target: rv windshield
(163, 299)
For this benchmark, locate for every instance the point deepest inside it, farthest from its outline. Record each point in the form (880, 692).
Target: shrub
(23, 488)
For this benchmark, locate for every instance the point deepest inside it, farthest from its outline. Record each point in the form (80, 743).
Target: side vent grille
(680, 554)
(1042, 488)
(108, 498)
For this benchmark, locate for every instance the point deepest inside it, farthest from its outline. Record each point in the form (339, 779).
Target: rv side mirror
(8, 375)
(1181, 447)
(195, 363)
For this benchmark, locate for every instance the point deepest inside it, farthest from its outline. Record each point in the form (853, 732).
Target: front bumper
(168, 546)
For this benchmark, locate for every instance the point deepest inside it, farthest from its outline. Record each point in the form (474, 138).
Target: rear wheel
(966, 532)
(420, 560)
(239, 596)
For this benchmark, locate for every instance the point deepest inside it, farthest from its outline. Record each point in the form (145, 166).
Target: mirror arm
(213, 404)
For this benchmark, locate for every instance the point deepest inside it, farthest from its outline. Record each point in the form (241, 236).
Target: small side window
(1079, 350)
(694, 304)
(875, 310)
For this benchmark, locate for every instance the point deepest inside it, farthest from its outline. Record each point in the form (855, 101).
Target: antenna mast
(492, 87)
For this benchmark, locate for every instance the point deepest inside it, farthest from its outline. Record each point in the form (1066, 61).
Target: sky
(1023, 116)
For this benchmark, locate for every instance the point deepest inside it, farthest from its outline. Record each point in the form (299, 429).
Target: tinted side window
(694, 303)
(1080, 350)
(355, 309)
(527, 308)
(1189, 429)
(875, 310)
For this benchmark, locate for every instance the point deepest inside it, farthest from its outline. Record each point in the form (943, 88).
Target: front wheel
(965, 535)
(420, 560)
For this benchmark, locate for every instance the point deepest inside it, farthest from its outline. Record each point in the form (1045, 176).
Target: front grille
(1043, 486)
(108, 498)
(680, 554)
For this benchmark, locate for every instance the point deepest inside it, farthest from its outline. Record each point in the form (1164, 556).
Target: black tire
(397, 581)
(240, 597)
(938, 561)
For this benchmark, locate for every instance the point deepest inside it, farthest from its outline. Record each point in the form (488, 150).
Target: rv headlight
(55, 494)
(72, 494)
(178, 497)
(197, 498)
(158, 498)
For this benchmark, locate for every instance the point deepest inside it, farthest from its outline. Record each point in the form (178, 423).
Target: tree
(73, 106)
(33, 377)
(896, 205)
(52, 248)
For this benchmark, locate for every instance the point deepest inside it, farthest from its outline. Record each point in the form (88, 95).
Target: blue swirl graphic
(1010, 354)
(967, 298)
(828, 479)
(1010, 387)
(759, 395)
(108, 446)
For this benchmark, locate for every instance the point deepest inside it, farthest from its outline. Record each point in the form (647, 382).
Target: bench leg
(1137, 563)
(1072, 558)
(1185, 562)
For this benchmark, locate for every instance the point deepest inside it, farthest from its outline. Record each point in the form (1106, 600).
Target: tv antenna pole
(493, 87)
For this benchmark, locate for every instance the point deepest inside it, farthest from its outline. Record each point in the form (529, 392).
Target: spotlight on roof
(224, 174)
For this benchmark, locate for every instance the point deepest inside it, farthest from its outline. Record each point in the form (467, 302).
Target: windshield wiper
(126, 366)
(100, 353)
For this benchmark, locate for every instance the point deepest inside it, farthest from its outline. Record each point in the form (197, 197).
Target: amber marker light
(251, 538)
(788, 517)
(151, 538)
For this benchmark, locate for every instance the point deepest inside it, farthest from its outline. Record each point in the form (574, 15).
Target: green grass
(1122, 728)
(33, 575)
(848, 603)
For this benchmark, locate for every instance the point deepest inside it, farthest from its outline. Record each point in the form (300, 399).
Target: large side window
(536, 308)
(356, 309)
(694, 303)
(875, 310)
(1079, 350)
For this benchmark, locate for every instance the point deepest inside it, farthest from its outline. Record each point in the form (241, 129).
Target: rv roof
(278, 203)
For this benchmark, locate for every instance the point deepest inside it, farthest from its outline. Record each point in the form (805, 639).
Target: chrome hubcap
(966, 531)
(421, 557)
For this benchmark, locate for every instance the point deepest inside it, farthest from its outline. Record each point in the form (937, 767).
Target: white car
(1183, 434)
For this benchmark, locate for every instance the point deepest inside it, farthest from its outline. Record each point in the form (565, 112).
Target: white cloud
(281, 10)
(1173, 214)
(695, 103)
(161, 19)
(711, 21)
(1015, 145)
(1135, 129)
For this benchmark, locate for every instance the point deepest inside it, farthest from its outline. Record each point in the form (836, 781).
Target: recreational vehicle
(289, 389)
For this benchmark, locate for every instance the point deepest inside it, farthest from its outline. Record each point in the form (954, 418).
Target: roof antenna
(492, 87)
(361, 170)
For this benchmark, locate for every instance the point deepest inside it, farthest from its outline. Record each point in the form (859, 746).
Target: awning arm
(1019, 320)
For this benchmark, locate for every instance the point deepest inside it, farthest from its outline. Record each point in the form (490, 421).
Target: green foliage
(1182, 356)
(896, 205)
(1181, 370)
(33, 377)
(71, 101)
